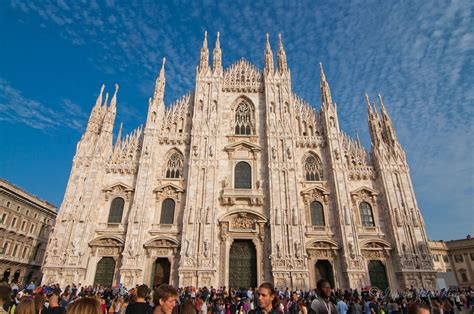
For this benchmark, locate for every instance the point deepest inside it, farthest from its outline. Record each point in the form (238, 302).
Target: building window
(3, 219)
(5, 247)
(464, 277)
(14, 222)
(25, 250)
(174, 166)
(167, 212)
(243, 176)
(458, 258)
(37, 248)
(317, 214)
(436, 257)
(32, 228)
(15, 249)
(366, 215)
(8, 204)
(116, 210)
(445, 258)
(472, 256)
(312, 168)
(243, 119)
(23, 225)
(18, 208)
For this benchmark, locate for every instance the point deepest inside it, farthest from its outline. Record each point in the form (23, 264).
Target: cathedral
(236, 183)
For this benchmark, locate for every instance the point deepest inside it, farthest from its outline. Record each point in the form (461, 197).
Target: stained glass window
(312, 168)
(244, 119)
(167, 212)
(366, 215)
(116, 210)
(243, 176)
(174, 167)
(317, 214)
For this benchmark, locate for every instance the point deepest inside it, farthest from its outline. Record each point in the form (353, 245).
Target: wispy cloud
(418, 55)
(16, 108)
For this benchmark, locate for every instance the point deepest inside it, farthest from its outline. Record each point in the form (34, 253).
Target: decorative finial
(99, 98)
(204, 44)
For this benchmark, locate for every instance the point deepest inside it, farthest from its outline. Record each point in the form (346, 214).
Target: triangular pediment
(171, 186)
(368, 190)
(118, 186)
(317, 187)
(242, 144)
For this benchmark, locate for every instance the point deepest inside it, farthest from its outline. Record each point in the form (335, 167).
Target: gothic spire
(113, 102)
(325, 90)
(98, 102)
(269, 68)
(159, 92)
(119, 138)
(217, 56)
(204, 57)
(281, 60)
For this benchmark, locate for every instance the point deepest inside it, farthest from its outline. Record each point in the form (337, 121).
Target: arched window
(167, 212)
(366, 215)
(243, 176)
(174, 166)
(244, 119)
(313, 168)
(317, 214)
(116, 210)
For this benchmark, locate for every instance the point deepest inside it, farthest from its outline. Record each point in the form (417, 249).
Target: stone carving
(186, 247)
(242, 222)
(277, 216)
(295, 216)
(206, 248)
(208, 215)
(297, 249)
(279, 249)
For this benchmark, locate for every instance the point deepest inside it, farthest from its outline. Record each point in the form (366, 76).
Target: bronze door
(104, 275)
(162, 268)
(242, 264)
(378, 274)
(324, 271)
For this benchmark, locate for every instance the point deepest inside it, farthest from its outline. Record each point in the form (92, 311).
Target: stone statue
(186, 247)
(297, 249)
(279, 249)
(208, 215)
(295, 216)
(206, 248)
(277, 216)
(190, 217)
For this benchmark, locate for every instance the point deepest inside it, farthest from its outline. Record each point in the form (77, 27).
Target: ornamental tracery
(244, 123)
(174, 165)
(312, 167)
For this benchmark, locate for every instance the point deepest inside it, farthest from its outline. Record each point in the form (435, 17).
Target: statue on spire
(269, 68)
(217, 56)
(282, 65)
(204, 57)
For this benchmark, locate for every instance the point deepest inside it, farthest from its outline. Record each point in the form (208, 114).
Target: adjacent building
(239, 181)
(26, 223)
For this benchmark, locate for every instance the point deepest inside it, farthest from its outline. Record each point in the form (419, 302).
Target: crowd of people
(265, 299)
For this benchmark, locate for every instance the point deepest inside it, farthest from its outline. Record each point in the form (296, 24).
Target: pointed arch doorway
(242, 264)
(378, 274)
(161, 271)
(324, 270)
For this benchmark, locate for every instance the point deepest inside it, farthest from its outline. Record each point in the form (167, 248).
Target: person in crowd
(26, 306)
(418, 308)
(165, 299)
(342, 307)
(322, 304)
(5, 292)
(267, 300)
(140, 306)
(85, 305)
(54, 307)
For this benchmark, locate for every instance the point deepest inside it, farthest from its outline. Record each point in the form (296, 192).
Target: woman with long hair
(84, 306)
(26, 306)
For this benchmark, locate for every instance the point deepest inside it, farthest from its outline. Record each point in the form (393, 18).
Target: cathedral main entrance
(161, 271)
(104, 275)
(324, 270)
(242, 264)
(378, 274)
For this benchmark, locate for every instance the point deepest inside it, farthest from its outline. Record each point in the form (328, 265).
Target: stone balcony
(233, 196)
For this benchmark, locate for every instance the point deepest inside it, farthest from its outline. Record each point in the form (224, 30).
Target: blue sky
(418, 54)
